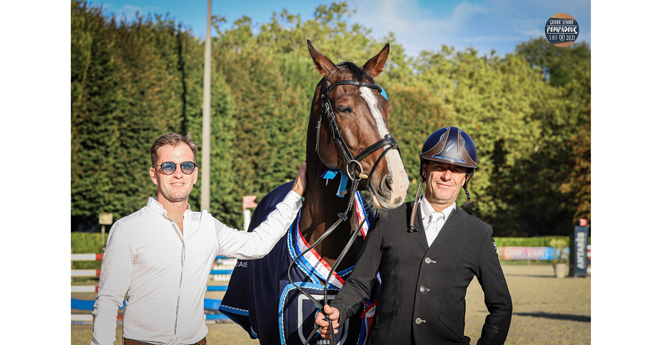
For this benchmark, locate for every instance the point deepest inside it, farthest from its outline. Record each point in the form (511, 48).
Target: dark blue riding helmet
(450, 145)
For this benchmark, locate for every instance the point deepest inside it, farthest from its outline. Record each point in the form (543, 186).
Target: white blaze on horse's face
(399, 187)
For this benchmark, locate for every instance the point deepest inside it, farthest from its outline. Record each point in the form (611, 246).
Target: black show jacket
(422, 297)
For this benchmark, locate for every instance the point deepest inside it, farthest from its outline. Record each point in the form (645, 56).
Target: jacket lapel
(451, 226)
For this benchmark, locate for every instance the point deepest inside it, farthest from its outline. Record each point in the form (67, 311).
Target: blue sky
(417, 24)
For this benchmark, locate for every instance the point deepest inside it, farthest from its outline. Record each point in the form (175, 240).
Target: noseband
(352, 164)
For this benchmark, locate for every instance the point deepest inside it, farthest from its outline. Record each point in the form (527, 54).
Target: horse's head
(351, 133)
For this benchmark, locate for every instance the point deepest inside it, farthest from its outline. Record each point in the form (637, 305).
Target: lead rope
(342, 217)
(325, 286)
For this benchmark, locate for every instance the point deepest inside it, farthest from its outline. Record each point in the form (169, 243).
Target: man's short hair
(173, 139)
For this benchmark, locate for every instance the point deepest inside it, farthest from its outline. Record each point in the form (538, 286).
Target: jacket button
(427, 260)
(423, 288)
(419, 321)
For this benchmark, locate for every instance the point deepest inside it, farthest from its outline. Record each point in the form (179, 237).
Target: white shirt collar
(427, 210)
(154, 205)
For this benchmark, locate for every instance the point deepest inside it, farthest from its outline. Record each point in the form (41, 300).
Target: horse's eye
(344, 109)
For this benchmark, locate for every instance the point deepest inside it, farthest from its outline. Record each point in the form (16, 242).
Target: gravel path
(546, 310)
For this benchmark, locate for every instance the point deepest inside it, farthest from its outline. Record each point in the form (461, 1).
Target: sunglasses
(169, 168)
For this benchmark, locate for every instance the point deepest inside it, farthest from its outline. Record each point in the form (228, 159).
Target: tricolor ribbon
(311, 263)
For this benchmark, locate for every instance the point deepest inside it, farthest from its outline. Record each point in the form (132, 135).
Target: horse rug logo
(297, 314)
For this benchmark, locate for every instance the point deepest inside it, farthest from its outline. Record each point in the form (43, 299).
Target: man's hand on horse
(300, 183)
(333, 313)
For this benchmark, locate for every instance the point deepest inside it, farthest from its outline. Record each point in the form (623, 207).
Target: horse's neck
(320, 212)
(321, 209)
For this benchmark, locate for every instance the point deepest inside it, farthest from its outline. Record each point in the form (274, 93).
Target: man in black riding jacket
(427, 252)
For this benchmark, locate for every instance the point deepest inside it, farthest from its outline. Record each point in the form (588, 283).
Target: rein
(352, 164)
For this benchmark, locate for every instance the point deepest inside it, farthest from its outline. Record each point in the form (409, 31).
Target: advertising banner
(579, 258)
(527, 253)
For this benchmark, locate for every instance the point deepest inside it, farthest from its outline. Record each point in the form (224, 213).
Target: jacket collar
(455, 217)
(427, 209)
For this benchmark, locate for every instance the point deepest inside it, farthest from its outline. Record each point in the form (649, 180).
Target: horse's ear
(322, 64)
(375, 65)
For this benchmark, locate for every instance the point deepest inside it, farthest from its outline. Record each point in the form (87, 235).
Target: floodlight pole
(206, 116)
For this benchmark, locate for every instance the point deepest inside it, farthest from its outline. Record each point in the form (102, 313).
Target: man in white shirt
(159, 257)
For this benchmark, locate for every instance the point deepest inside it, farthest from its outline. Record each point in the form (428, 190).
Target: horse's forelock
(357, 71)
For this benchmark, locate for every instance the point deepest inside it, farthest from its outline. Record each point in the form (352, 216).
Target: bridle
(352, 165)
(352, 162)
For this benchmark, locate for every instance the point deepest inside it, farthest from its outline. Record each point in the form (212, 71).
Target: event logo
(562, 30)
(450, 144)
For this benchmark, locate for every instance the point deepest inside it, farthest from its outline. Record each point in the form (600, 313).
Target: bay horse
(348, 142)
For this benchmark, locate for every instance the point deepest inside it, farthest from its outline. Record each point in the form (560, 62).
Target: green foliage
(529, 112)
(80, 46)
(130, 94)
(563, 161)
(560, 242)
(541, 241)
(87, 243)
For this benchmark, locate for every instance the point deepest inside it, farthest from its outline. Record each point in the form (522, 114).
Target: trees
(127, 89)
(566, 124)
(528, 112)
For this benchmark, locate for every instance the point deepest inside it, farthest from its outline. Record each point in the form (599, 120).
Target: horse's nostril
(389, 182)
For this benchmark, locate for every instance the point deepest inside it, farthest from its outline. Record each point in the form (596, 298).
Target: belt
(137, 342)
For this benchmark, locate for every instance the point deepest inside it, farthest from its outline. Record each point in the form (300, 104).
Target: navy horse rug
(261, 298)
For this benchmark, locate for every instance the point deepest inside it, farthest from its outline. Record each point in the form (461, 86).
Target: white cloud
(416, 28)
(131, 9)
(128, 11)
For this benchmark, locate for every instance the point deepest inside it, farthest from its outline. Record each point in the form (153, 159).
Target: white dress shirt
(433, 221)
(163, 273)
